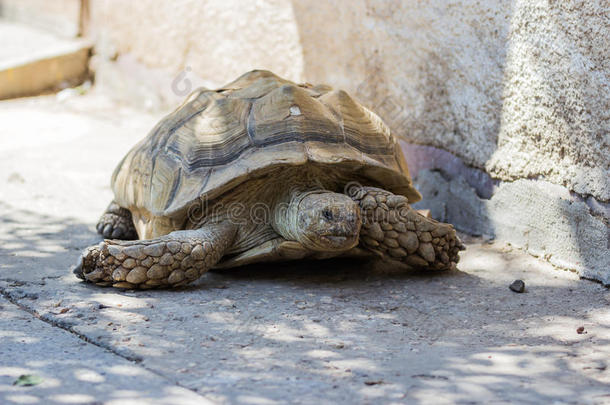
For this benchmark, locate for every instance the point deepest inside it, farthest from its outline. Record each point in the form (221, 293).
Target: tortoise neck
(284, 218)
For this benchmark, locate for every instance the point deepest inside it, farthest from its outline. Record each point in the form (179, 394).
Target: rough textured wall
(509, 97)
(519, 89)
(218, 40)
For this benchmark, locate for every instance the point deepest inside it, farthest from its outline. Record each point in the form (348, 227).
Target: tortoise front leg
(169, 261)
(116, 223)
(392, 227)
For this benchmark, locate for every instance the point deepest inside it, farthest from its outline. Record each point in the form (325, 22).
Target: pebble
(517, 286)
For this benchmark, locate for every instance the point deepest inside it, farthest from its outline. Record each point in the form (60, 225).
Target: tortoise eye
(327, 214)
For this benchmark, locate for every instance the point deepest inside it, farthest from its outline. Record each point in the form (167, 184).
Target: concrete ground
(323, 332)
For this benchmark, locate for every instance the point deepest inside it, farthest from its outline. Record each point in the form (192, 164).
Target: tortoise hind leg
(171, 260)
(392, 227)
(116, 223)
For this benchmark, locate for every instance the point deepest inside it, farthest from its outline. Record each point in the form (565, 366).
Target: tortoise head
(324, 221)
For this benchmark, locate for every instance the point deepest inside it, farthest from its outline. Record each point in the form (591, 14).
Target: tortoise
(261, 170)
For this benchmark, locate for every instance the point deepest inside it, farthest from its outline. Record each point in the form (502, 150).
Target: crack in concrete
(7, 294)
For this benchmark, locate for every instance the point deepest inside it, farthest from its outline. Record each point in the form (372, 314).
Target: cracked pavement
(323, 332)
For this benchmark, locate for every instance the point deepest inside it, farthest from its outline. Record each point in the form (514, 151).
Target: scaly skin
(391, 227)
(172, 260)
(116, 223)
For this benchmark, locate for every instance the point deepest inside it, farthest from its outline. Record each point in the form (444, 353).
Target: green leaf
(27, 380)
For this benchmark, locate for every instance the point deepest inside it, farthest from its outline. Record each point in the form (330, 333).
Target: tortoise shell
(218, 139)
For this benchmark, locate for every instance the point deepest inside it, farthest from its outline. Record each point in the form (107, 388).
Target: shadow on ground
(325, 331)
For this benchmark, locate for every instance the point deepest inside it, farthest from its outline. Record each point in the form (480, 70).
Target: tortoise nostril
(327, 214)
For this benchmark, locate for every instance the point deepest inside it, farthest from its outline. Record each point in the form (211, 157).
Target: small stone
(129, 263)
(166, 259)
(197, 253)
(155, 250)
(137, 275)
(426, 250)
(517, 286)
(173, 247)
(580, 330)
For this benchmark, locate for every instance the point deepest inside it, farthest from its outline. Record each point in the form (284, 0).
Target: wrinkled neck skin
(286, 209)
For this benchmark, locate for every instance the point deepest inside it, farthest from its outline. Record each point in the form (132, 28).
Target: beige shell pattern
(217, 139)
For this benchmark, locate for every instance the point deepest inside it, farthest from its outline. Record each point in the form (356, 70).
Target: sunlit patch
(22, 399)
(255, 400)
(72, 398)
(120, 301)
(360, 364)
(86, 375)
(321, 354)
(126, 370)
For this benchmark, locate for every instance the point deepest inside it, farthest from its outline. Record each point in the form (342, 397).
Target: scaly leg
(392, 227)
(116, 223)
(169, 261)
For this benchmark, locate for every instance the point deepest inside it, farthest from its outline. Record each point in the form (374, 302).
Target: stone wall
(503, 106)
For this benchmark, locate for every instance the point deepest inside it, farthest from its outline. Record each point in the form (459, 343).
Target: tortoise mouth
(338, 242)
